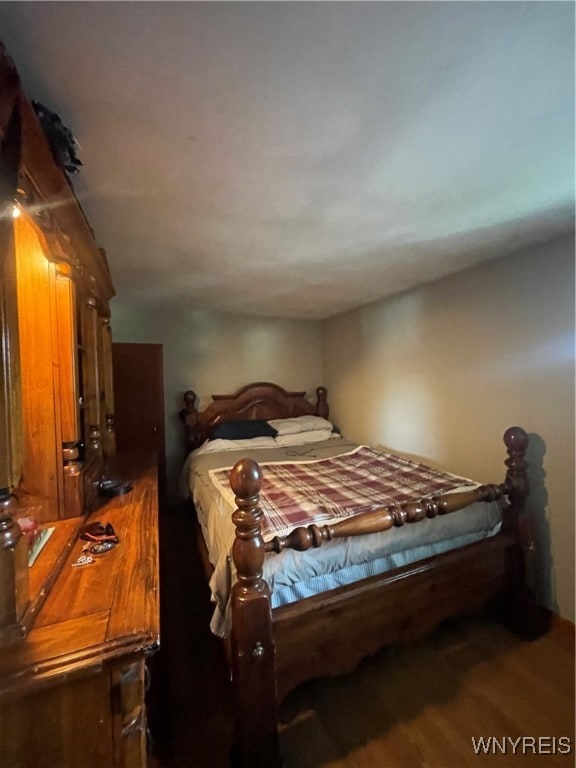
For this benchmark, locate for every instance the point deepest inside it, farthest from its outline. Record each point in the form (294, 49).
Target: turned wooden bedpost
(516, 483)
(521, 612)
(190, 417)
(253, 654)
(322, 408)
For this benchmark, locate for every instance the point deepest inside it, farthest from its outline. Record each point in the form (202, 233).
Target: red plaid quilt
(301, 493)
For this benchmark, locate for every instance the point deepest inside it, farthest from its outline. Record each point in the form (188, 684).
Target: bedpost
(253, 654)
(521, 612)
(190, 417)
(516, 483)
(322, 402)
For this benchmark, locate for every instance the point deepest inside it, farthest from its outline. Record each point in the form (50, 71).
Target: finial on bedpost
(516, 483)
(189, 415)
(322, 408)
(190, 400)
(253, 654)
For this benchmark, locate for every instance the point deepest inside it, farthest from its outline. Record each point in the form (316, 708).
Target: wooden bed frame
(272, 651)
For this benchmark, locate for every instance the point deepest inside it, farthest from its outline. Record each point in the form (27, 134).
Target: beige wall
(217, 353)
(442, 371)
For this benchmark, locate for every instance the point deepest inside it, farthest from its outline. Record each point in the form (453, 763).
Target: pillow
(314, 436)
(300, 424)
(215, 446)
(242, 430)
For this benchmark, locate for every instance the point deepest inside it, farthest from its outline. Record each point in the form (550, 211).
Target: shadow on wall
(539, 556)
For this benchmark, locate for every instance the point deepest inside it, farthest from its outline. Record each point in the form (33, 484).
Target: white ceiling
(300, 159)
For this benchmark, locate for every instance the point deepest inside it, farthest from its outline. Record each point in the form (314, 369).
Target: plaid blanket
(301, 493)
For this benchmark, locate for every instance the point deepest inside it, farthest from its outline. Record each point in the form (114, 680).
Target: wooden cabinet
(72, 694)
(74, 640)
(56, 389)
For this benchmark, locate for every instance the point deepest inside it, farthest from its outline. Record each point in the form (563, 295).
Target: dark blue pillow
(242, 430)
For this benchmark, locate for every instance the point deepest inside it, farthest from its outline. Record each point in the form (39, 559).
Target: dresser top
(101, 611)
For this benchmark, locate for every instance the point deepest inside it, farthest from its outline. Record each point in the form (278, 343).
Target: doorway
(139, 402)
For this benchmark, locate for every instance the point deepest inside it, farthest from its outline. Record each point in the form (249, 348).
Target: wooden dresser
(72, 692)
(73, 640)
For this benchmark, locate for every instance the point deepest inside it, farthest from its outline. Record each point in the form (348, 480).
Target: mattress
(295, 575)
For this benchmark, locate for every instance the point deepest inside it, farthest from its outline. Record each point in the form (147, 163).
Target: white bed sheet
(295, 575)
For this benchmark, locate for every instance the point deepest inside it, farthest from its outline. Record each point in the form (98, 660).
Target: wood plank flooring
(418, 706)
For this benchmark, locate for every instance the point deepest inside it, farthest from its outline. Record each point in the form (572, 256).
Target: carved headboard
(261, 400)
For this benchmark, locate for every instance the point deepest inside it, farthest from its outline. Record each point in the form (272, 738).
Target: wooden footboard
(330, 634)
(273, 651)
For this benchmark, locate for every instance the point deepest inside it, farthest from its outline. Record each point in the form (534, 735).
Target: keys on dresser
(83, 560)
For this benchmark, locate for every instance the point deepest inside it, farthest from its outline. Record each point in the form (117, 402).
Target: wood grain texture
(32, 732)
(423, 704)
(89, 373)
(10, 391)
(128, 683)
(90, 640)
(329, 634)
(253, 654)
(37, 360)
(65, 340)
(46, 569)
(107, 425)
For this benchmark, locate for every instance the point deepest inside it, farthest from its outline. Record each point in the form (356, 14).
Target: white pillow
(313, 436)
(209, 446)
(300, 424)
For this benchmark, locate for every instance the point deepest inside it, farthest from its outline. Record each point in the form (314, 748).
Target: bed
(444, 547)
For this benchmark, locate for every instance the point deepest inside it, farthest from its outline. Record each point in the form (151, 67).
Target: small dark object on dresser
(114, 487)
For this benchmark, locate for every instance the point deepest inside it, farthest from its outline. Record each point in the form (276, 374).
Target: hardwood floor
(423, 705)
(419, 706)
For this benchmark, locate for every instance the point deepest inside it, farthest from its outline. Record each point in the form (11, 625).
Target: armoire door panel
(40, 411)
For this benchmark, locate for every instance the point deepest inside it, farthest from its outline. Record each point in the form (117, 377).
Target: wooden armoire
(73, 638)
